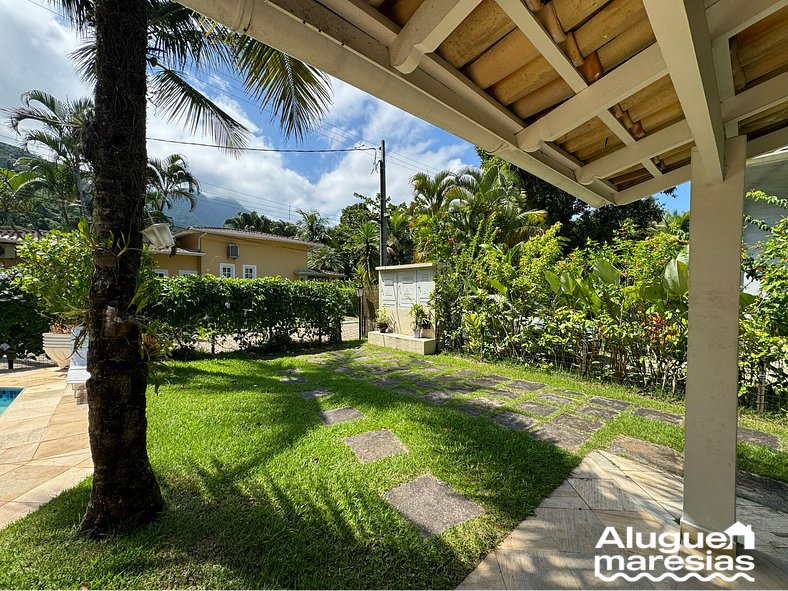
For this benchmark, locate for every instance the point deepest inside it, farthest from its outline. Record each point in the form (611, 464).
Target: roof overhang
(602, 98)
(241, 235)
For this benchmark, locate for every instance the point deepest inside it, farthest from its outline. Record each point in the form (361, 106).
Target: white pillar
(712, 357)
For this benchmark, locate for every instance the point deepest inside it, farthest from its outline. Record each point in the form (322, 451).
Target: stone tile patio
(44, 447)
(554, 548)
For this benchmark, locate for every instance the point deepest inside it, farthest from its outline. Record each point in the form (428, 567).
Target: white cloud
(35, 48)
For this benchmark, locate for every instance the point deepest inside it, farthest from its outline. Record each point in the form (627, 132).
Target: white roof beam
(767, 143)
(682, 33)
(429, 26)
(541, 40)
(726, 18)
(758, 98)
(655, 185)
(630, 77)
(652, 145)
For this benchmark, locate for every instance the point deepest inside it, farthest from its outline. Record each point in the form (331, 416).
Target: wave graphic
(673, 576)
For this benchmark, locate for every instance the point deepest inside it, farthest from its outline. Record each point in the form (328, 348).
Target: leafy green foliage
(57, 268)
(255, 311)
(22, 320)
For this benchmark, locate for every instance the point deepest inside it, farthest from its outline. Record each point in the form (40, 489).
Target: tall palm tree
(170, 180)
(312, 226)
(50, 181)
(60, 127)
(324, 258)
(132, 37)
(366, 240)
(249, 220)
(178, 39)
(432, 194)
(400, 238)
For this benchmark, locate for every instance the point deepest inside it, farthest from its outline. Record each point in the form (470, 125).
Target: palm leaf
(172, 93)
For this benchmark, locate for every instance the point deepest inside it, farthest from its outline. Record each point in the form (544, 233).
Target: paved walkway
(44, 446)
(554, 549)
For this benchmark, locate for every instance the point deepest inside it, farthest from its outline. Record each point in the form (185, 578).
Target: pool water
(7, 396)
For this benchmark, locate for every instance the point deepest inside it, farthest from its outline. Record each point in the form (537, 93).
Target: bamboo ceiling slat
(662, 118)
(591, 126)
(508, 55)
(525, 80)
(403, 10)
(655, 92)
(629, 43)
(765, 121)
(573, 12)
(678, 158)
(587, 144)
(481, 29)
(542, 98)
(608, 23)
(599, 149)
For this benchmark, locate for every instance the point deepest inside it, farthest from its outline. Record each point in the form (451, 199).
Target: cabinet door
(389, 290)
(406, 289)
(425, 286)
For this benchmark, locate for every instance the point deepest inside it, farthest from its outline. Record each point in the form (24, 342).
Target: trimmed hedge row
(254, 311)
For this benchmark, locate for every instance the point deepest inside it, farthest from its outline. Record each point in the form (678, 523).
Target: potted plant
(382, 318)
(56, 269)
(420, 319)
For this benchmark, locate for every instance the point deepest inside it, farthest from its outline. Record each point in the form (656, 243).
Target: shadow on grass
(261, 494)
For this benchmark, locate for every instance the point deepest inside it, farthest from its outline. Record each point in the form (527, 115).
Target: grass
(260, 494)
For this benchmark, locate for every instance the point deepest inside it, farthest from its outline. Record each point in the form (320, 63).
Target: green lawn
(261, 494)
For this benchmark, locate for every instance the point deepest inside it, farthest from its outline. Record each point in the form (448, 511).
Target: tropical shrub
(22, 321)
(255, 312)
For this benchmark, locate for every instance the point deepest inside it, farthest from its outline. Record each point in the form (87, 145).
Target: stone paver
(536, 408)
(513, 420)
(579, 423)
(44, 446)
(479, 406)
(610, 402)
(431, 505)
(437, 397)
(599, 412)
(555, 548)
(404, 391)
(309, 394)
(525, 385)
(560, 436)
(659, 415)
(664, 458)
(758, 437)
(339, 415)
(570, 392)
(290, 379)
(554, 399)
(386, 382)
(375, 445)
(486, 381)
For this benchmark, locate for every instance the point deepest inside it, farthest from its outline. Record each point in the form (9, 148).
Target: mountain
(210, 211)
(9, 154)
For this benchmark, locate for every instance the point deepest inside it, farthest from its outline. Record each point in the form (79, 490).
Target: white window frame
(253, 269)
(223, 266)
(187, 272)
(162, 272)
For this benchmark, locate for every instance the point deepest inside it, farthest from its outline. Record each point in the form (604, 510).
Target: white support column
(712, 363)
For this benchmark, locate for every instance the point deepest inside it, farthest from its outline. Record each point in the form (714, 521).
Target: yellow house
(227, 252)
(9, 240)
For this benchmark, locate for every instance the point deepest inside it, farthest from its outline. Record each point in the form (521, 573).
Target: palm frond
(298, 94)
(181, 101)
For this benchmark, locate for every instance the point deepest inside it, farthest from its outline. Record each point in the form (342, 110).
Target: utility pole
(384, 226)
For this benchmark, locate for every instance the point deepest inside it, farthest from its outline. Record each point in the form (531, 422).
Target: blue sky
(35, 45)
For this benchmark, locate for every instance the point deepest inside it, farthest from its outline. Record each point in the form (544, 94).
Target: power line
(245, 149)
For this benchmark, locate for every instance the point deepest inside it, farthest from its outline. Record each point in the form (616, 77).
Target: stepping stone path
(508, 394)
(610, 402)
(431, 505)
(310, 394)
(479, 406)
(375, 445)
(537, 408)
(339, 415)
(579, 423)
(658, 415)
(292, 379)
(513, 420)
(758, 437)
(523, 385)
(664, 458)
(386, 382)
(404, 391)
(290, 371)
(486, 381)
(566, 438)
(555, 399)
(437, 397)
(570, 392)
(601, 413)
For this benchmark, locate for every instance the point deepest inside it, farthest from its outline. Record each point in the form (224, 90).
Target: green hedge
(22, 320)
(254, 311)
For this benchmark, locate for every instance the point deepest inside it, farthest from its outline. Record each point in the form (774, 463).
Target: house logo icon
(739, 530)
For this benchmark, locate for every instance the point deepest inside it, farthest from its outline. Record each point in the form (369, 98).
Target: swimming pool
(7, 396)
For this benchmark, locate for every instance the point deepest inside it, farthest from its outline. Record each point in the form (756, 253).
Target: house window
(226, 270)
(187, 272)
(250, 271)
(161, 272)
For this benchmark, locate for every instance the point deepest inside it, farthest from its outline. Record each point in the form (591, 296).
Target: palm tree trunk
(125, 491)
